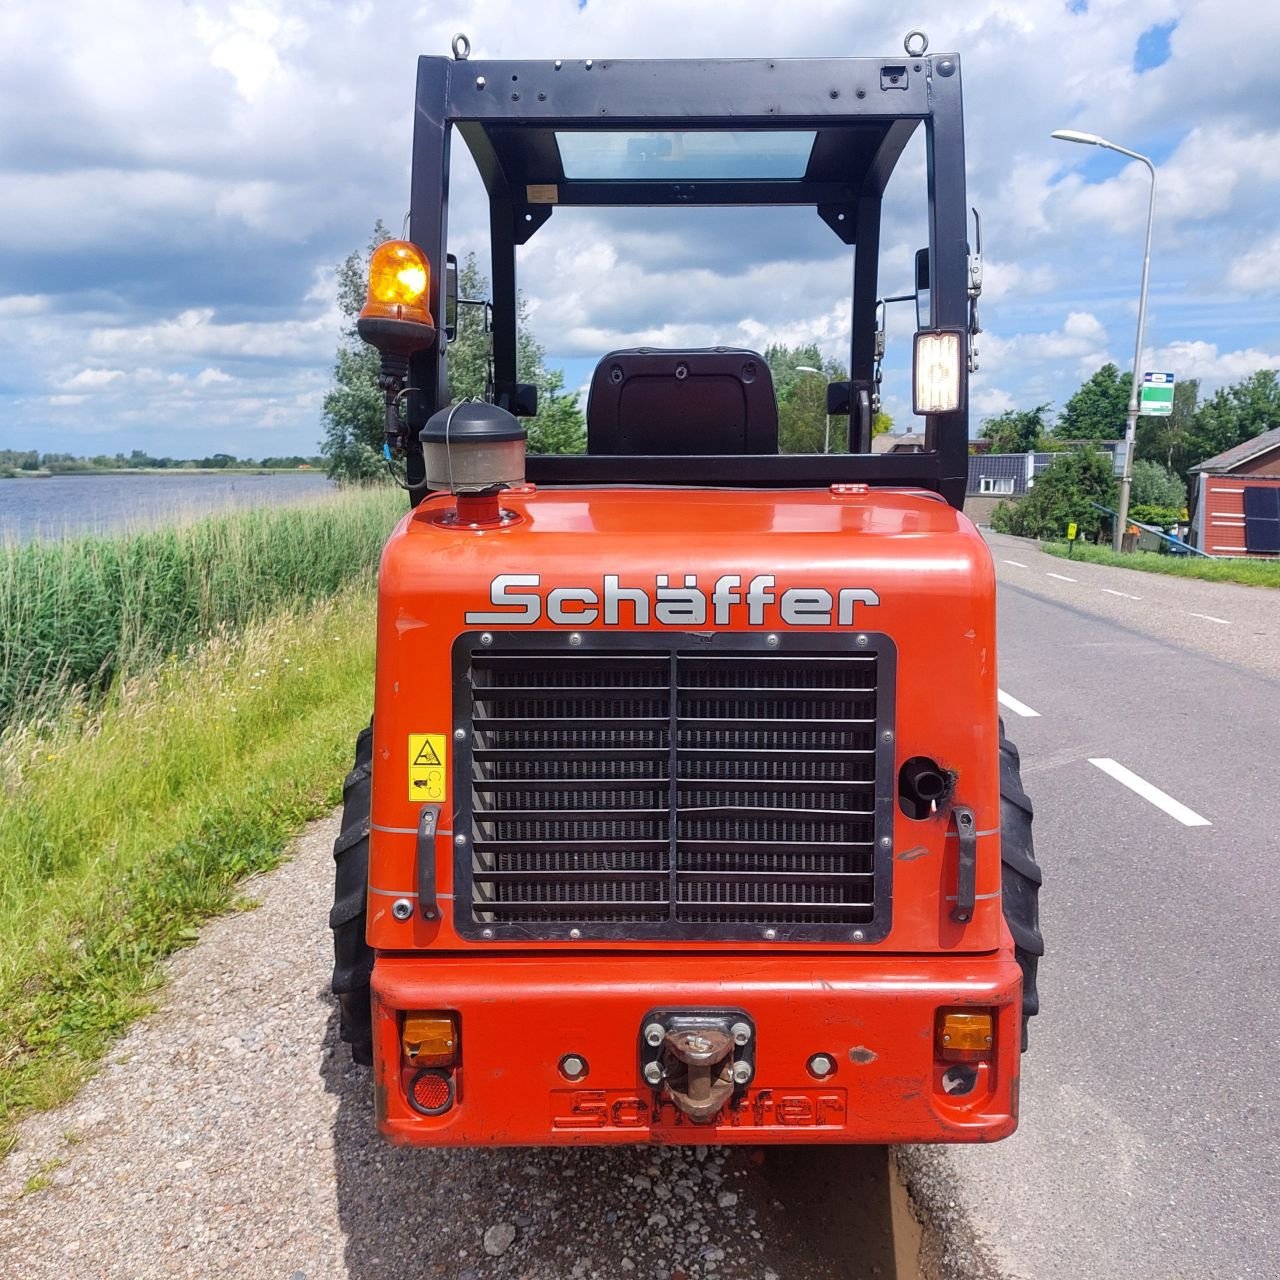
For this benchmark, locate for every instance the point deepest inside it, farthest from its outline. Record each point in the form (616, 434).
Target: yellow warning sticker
(427, 767)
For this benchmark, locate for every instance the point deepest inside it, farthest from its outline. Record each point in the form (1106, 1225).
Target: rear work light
(939, 358)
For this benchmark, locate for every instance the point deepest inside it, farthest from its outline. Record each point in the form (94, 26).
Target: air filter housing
(473, 447)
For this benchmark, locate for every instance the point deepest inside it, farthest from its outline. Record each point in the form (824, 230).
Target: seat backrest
(714, 400)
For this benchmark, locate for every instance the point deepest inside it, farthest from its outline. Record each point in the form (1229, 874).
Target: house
(1235, 499)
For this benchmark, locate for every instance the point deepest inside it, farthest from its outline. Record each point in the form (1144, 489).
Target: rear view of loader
(686, 814)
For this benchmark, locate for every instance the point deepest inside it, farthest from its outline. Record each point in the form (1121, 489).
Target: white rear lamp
(938, 360)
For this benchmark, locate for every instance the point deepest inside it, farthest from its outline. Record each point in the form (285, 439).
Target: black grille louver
(641, 789)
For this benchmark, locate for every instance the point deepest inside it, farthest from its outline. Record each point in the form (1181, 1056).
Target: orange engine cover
(900, 575)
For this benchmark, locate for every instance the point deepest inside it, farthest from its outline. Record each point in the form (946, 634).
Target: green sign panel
(1157, 395)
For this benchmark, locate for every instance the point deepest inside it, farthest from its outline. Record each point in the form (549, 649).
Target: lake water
(54, 506)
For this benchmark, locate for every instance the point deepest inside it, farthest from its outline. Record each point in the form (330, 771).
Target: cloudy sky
(178, 179)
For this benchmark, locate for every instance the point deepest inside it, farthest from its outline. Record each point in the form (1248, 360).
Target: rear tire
(1019, 877)
(352, 955)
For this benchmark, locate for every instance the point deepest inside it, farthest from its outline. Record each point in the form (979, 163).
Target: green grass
(127, 821)
(1253, 573)
(81, 613)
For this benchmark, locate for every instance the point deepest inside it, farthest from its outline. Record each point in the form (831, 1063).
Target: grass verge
(1253, 573)
(81, 613)
(126, 823)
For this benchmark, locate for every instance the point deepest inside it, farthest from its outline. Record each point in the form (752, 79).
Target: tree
(1154, 486)
(1064, 493)
(1016, 430)
(1166, 439)
(1097, 411)
(1234, 414)
(353, 409)
(802, 399)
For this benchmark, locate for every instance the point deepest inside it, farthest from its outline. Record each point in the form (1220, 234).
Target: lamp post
(1131, 420)
(826, 435)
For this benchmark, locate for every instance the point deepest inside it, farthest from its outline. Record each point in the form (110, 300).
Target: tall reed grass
(78, 614)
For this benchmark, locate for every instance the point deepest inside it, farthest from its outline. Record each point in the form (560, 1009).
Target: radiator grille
(672, 791)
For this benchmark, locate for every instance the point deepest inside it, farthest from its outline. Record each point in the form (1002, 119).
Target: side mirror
(525, 402)
(924, 303)
(451, 296)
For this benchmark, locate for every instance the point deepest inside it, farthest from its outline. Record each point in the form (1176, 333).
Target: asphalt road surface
(1150, 1137)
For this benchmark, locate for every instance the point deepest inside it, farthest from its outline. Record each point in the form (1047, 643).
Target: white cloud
(1197, 359)
(1257, 271)
(94, 378)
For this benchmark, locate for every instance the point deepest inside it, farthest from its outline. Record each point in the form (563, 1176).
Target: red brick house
(1235, 500)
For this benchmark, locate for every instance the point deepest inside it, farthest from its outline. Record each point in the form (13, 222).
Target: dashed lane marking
(1062, 577)
(1208, 617)
(1153, 795)
(1018, 708)
(1123, 594)
(1017, 564)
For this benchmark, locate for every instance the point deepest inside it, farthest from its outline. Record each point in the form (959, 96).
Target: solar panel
(1262, 518)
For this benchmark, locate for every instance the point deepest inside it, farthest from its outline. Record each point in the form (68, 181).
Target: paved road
(1150, 1105)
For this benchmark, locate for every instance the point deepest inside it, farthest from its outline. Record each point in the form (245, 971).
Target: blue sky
(178, 181)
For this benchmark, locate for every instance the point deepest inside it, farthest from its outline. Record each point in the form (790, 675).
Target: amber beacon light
(396, 319)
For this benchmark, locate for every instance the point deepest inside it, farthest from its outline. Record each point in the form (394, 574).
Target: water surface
(56, 506)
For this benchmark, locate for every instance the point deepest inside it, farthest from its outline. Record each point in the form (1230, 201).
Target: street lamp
(826, 435)
(1131, 420)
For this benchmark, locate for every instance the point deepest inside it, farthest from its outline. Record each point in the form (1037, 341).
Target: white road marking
(1125, 594)
(1188, 817)
(1017, 564)
(1208, 617)
(1062, 577)
(1018, 708)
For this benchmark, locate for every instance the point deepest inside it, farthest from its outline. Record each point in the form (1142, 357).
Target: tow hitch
(701, 1058)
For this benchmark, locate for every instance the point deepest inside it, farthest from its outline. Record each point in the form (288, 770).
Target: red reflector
(431, 1092)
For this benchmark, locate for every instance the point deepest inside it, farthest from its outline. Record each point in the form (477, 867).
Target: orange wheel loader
(686, 815)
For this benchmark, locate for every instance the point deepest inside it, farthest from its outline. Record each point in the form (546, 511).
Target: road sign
(1157, 395)
(1072, 530)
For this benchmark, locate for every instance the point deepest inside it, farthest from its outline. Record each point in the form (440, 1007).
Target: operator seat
(710, 400)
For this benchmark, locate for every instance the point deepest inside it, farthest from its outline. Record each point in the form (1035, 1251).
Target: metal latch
(966, 865)
(428, 821)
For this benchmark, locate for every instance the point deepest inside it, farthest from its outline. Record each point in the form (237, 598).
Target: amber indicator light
(430, 1039)
(965, 1035)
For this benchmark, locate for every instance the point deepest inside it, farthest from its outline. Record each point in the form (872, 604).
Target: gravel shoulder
(229, 1135)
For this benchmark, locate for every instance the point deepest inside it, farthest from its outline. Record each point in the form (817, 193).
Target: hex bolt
(487, 934)
(486, 638)
(861, 642)
(402, 908)
(821, 1066)
(859, 936)
(460, 734)
(654, 1034)
(886, 842)
(572, 1066)
(653, 1073)
(742, 1072)
(772, 642)
(887, 736)
(575, 639)
(741, 1032)
(770, 934)
(575, 934)
(459, 839)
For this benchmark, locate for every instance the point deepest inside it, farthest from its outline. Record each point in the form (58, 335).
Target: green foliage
(1062, 494)
(1167, 440)
(1017, 430)
(124, 826)
(1153, 485)
(1098, 410)
(1235, 414)
(1254, 573)
(77, 615)
(802, 399)
(1150, 513)
(354, 419)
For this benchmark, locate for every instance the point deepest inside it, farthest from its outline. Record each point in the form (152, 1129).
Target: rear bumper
(874, 1015)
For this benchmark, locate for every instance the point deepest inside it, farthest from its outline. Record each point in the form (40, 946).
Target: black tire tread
(352, 955)
(1020, 877)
